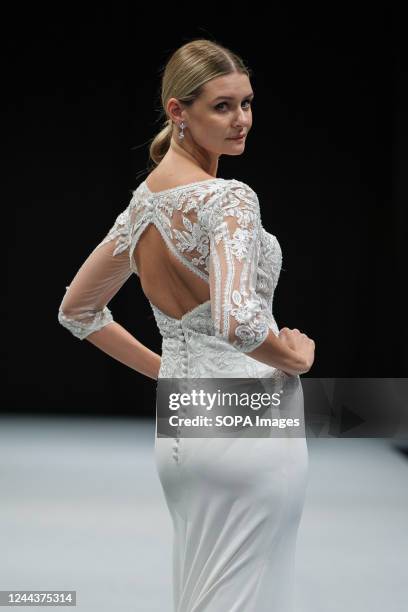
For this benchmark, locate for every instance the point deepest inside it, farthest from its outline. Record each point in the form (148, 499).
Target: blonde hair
(184, 75)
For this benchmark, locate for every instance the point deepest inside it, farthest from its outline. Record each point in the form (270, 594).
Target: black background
(326, 155)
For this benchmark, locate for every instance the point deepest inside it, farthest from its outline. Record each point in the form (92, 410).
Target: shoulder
(234, 199)
(240, 189)
(229, 190)
(238, 195)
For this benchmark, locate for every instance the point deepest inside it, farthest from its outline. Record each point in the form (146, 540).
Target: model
(209, 270)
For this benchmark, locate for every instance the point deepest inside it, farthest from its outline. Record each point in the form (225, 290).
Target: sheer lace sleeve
(83, 309)
(234, 229)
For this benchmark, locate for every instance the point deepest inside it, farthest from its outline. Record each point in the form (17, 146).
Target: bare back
(166, 282)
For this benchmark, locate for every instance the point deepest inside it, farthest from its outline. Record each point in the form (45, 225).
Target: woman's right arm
(84, 308)
(239, 315)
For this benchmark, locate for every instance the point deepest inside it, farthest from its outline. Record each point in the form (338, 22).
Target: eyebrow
(231, 97)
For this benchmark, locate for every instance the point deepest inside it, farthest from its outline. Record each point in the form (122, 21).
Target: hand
(299, 342)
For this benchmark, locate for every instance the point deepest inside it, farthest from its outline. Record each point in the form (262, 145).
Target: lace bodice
(214, 228)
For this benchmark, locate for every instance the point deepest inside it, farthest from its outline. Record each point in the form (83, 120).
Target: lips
(237, 137)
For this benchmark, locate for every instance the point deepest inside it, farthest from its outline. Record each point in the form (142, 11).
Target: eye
(222, 103)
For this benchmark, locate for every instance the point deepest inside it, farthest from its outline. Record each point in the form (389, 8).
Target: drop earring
(181, 133)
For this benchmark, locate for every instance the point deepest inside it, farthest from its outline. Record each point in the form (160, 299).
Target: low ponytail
(161, 143)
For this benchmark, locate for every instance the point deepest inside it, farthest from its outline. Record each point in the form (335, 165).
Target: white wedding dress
(235, 503)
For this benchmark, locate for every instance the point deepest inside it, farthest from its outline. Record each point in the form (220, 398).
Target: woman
(209, 270)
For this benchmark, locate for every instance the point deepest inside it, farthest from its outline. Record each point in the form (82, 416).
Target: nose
(243, 119)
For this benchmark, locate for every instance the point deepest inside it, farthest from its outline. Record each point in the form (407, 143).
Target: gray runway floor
(82, 509)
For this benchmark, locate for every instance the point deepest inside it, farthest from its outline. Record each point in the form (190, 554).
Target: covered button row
(183, 350)
(184, 369)
(177, 438)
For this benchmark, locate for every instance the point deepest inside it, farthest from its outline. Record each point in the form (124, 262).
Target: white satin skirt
(236, 505)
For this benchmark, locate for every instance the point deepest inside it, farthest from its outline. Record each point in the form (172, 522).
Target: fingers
(288, 333)
(287, 330)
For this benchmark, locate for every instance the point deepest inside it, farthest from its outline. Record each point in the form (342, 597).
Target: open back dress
(235, 503)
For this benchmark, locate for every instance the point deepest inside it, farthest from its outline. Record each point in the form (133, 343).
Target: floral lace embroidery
(180, 218)
(82, 329)
(236, 253)
(214, 229)
(119, 232)
(85, 322)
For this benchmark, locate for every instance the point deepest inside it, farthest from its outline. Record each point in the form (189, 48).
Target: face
(221, 113)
